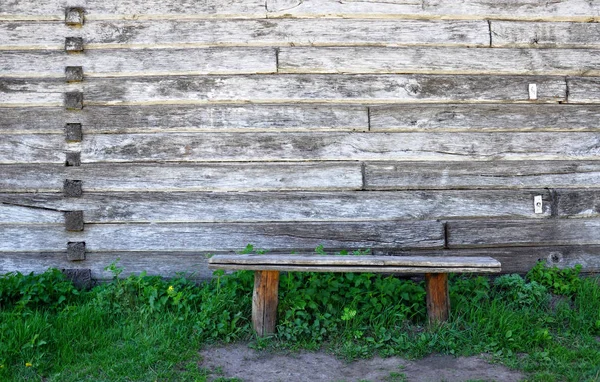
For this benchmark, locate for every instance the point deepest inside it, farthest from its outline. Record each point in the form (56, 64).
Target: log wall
(158, 132)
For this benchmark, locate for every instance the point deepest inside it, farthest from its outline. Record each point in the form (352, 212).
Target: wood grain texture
(264, 302)
(575, 10)
(281, 32)
(352, 268)
(132, 9)
(229, 236)
(166, 264)
(140, 62)
(437, 297)
(545, 35)
(440, 60)
(522, 259)
(315, 88)
(329, 146)
(478, 233)
(270, 206)
(492, 118)
(184, 177)
(361, 260)
(578, 203)
(185, 118)
(482, 175)
(584, 90)
(39, 148)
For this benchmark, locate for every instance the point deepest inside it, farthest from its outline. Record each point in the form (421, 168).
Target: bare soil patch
(249, 365)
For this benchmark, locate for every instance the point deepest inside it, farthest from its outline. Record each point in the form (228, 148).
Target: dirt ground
(249, 365)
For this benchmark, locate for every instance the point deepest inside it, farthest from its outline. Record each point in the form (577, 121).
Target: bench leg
(264, 302)
(438, 300)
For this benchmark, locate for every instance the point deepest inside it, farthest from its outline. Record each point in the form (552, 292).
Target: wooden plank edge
(387, 269)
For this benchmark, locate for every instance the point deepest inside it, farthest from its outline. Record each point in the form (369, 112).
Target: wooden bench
(267, 268)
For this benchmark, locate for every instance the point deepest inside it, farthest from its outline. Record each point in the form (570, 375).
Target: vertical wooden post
(264, 302)
(438, 300)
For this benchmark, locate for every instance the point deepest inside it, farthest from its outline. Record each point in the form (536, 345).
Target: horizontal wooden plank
(140, 62)
(361, 260)
(484, 175)
(54, 9)
(184, 177)
(37, 148)
(498, 117)
(544, 35)
(522, 259)
(584, 90)
(225, 236)
(478, 233)
(327, 146)
(169, 264)
(185, 118)
(292, 88)
(440, 60)
(583, 203)
(355, 268)
(269, 206)
(576, 10)
(279, 32)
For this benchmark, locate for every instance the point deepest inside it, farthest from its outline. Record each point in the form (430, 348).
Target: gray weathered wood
(445, 117)
(166, 264)
(225, 236)
(353, 268)
(140, 62)
(440, 60)
(315, 88)
(584, 90)
(181, 118)
(280, 32)
(489, 233)
(545, 35)
(362, 260)
(576, 10)
(38, 148)
(270, 206)
(484, 175)
(578, 203)
(331, 146)
(522, 259)
(132, 9)
(184, 177)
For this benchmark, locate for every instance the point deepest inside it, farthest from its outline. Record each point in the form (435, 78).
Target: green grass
(145, 328)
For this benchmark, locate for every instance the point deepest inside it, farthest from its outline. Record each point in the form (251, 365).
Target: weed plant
(146, 328)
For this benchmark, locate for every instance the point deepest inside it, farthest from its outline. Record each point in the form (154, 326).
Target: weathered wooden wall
(160, 131)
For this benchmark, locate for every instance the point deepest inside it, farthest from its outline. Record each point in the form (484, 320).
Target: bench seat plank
(385, 264)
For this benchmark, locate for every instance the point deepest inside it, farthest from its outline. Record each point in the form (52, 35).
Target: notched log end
(81, 278)
(74, 73)
(74, 220)
(74, 45)
(73, 132)
(74, 100)
(72, 188)
(73, 158)
(74, 16)
(76, 250)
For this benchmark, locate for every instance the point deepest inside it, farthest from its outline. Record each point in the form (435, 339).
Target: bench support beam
(438, 300)
(264, 302)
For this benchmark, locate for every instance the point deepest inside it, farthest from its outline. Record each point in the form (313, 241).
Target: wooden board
(140, 62)
(358, 269)
(478, 233)
(270, 206)
(492, 118)
(186, 118)
(483, 175)
(578, 203)
(38, 148)
(328, 146)
(201, 33)
(359, 88)
(544, 35)
(184, 177)
(440, 60)
(584, 90)
(228, 236)
(576, 10)
(350, 261)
